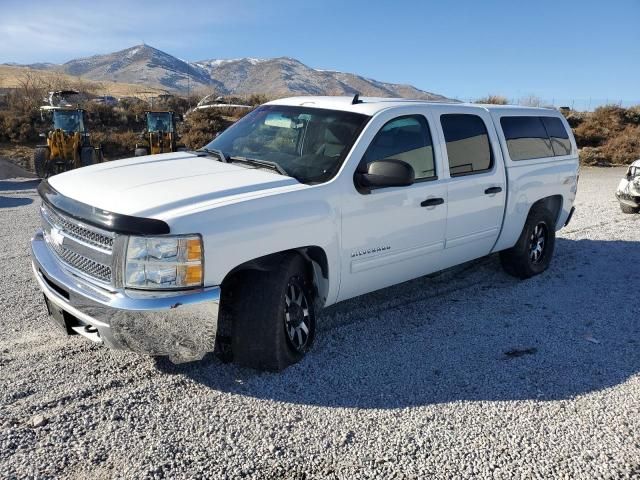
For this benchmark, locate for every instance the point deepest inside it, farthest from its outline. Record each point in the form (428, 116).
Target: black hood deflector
(114, 222)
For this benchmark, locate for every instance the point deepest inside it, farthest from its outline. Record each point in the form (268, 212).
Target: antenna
(356, 99)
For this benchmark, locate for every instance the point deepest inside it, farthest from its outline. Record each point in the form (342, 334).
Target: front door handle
(432, 202)
(492, 190)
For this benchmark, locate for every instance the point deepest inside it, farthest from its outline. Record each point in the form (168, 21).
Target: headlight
(164, 262)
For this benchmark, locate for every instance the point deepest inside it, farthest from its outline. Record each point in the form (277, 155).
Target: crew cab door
(475, 179)
(393, 234)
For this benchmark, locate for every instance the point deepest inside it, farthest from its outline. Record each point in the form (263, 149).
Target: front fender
(236, 233)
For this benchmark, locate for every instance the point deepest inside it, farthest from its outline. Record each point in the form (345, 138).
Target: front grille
(84, 264)
(79, 232)
(85, 248)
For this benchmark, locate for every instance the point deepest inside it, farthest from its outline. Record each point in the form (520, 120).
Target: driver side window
(408, 139)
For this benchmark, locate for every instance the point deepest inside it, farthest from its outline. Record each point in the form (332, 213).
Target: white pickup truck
(302, 203)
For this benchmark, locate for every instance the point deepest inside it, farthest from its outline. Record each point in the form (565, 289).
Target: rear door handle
(432, 202)
(492, 190)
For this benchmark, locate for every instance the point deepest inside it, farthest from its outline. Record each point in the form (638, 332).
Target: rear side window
(407, 139)
(468, 145)
(558, 135)
(535, 137)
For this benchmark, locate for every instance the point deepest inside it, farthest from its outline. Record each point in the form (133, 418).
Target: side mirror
(385, 173)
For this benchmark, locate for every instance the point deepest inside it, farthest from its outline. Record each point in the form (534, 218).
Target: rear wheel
(41, 162)
(532, 254)
(628, 208)
(272, 316)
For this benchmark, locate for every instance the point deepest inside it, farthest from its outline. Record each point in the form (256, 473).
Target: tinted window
(407, 139)
(526, 138)
(558, 135)
(468, 146)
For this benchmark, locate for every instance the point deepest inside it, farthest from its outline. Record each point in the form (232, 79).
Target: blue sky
(466, 49)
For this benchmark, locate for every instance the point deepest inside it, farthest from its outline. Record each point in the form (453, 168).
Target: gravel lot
(464, 374)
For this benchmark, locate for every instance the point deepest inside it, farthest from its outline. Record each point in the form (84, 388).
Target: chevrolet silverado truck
(302, 203)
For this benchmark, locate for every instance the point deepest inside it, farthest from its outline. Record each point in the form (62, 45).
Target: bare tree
(30, 92)
(531, 101)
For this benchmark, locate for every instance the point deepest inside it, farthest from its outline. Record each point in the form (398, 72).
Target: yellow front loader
(67, 146)
(160, 135)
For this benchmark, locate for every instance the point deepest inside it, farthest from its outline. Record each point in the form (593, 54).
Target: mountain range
(274, 77)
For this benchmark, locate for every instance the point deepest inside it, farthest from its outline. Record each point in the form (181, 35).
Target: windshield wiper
(214, 151)
(261, 163)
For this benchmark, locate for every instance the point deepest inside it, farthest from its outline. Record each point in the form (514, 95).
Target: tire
(41, 162)
(87, 156)
(628, 208)
(532, 254)
(270, 312)
(140, 152)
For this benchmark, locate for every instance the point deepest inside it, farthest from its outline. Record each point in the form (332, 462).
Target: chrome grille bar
(85, 233)
(86, 249)
(84, 264)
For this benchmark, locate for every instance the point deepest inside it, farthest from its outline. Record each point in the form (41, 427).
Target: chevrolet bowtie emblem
(56, 237)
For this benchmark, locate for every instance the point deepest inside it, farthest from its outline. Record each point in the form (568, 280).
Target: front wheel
(273, 317)
(41, 162)
(532, 254)
(87, 156)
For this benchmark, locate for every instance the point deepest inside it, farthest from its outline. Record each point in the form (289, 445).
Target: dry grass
(13, 77)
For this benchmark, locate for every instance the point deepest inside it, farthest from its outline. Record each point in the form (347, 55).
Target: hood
(153, 185)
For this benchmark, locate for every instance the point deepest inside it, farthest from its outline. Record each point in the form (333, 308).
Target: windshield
(310, 144)
(68, 120)
(159, 122)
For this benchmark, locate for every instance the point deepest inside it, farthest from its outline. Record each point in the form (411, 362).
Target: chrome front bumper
(628, 199)
(181, 325)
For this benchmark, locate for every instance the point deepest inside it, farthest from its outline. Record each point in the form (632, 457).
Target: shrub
(632, 115)
(575, 118)
(600, 125)
(623, 148)
(19, 128)
(493, 99)
(116, 144)
(201, 126)
(592, 156)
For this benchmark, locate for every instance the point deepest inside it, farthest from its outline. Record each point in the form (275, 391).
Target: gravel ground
(465, 374)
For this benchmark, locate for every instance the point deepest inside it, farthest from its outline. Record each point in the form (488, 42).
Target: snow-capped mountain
(141, 64)
(275, 77)
(287, 76)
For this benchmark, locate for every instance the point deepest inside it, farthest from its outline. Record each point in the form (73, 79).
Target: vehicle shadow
(9, 185)
(470, 333)
(12, 202)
